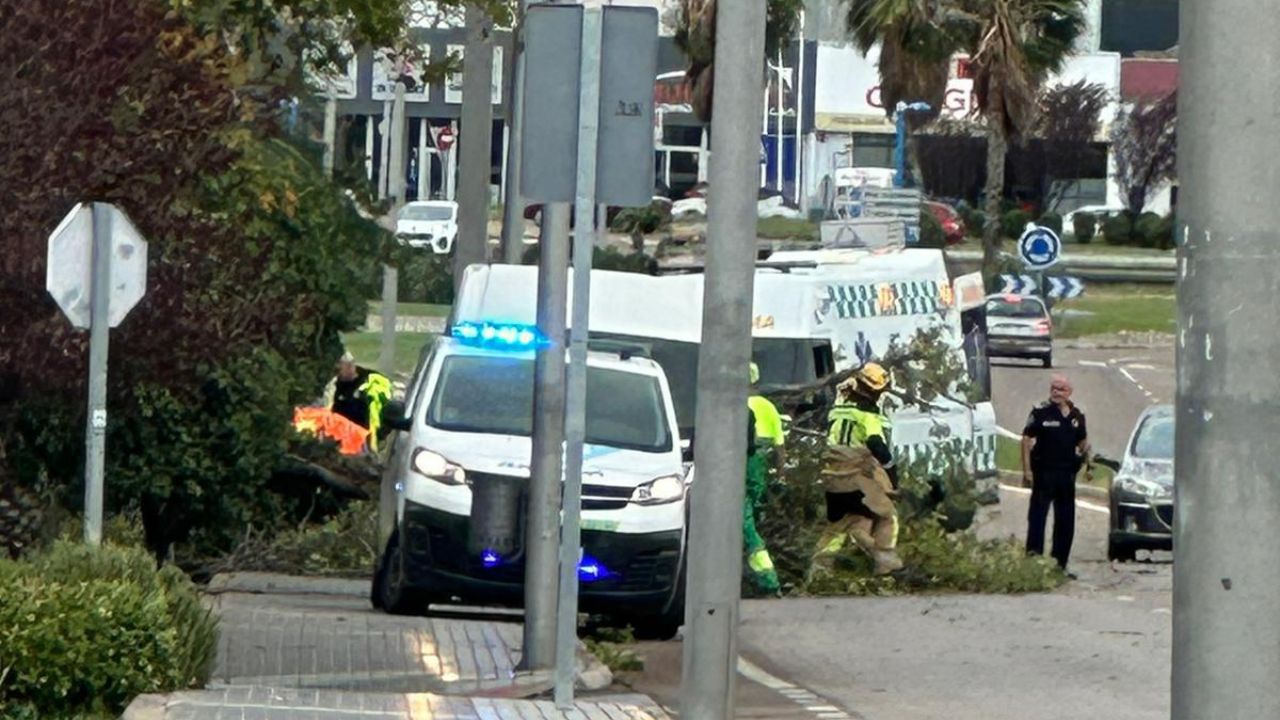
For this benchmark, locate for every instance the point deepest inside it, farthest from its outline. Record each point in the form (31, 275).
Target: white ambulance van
(864, 300)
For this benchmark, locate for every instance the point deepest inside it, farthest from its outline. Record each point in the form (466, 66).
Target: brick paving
(304, 649)
(338, 642)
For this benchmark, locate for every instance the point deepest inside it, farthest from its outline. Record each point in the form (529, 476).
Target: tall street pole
(394, 170)
(575, 421)
(513, 210)
(542, 529)
(475, 143)
(720, 445)
(1226, 577)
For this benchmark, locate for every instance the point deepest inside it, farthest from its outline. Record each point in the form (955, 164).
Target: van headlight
(1144, 488)
(666, 489)
(436, 467)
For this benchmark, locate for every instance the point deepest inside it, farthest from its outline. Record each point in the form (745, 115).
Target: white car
(465, 436)
(429, 223)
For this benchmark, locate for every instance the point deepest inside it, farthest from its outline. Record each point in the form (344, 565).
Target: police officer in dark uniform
(1055, 443)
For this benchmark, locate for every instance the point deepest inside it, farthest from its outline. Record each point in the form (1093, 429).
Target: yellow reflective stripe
(759, 561)
(834, 545)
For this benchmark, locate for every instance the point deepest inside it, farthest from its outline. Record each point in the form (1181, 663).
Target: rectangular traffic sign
(549, 137)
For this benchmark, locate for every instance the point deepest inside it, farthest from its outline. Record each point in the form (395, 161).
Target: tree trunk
(997, 150)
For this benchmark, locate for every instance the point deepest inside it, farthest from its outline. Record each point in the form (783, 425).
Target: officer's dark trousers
(1056, 487)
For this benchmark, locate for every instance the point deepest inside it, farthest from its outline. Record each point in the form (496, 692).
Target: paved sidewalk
(295, 648)
(338, 642)
(290, 704)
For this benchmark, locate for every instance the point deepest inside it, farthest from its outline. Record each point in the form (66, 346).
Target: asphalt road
(1112, 387)
(1098, 647)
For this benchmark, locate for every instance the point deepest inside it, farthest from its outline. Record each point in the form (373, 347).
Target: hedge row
(84, 630)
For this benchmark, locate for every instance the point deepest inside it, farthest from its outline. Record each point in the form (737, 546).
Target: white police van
(452, 510)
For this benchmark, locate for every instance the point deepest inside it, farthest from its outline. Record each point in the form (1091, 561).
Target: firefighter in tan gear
(860, 477)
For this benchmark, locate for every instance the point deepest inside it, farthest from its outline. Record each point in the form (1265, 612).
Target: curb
(257, 583)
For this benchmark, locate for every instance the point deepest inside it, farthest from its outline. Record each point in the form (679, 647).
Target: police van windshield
(494, 394)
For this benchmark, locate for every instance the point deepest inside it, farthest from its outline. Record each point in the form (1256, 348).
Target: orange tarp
(350, 437)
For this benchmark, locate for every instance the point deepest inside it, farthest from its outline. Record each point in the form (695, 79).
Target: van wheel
(389, 590)
(1047, 360)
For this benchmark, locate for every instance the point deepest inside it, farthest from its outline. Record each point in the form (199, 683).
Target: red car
(952, 224)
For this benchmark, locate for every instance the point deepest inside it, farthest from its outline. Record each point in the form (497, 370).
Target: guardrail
(1093, 268)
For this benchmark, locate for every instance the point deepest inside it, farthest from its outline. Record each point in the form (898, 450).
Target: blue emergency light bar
(499, 336)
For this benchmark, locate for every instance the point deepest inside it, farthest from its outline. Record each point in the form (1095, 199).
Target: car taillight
(1044, 327)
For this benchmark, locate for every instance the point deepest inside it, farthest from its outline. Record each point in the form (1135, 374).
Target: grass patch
(407, 309)
(1008, 454)
(779, 228)
(1113, 310)
(367, 346)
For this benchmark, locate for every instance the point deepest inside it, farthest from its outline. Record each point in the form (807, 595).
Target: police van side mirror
(393, 416)
(686, 450)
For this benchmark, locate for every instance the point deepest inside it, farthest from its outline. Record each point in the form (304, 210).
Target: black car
(1142, 492)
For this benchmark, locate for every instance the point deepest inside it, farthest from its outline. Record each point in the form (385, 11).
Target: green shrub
(1051, 220)
(1153, 231)
(1118, 229)
(86, 629)
(1085, 226)
(608, 258)
(974, 219)
(426, 278)
(931, 233)
(1014, 222)
(643, 220)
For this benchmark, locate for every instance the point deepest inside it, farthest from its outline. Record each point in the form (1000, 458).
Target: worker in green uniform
(765, 447)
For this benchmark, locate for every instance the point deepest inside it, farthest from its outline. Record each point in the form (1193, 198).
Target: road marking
(800, 696)
(1139, 366)
(1082, 504)
(1132, 379)
(1093, 363)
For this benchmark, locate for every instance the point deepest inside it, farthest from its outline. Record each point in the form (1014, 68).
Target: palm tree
(917, 41)
(696, 37)
(1014, 45)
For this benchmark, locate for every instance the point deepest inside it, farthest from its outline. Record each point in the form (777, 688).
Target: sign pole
(576, 387)
(95, 436)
